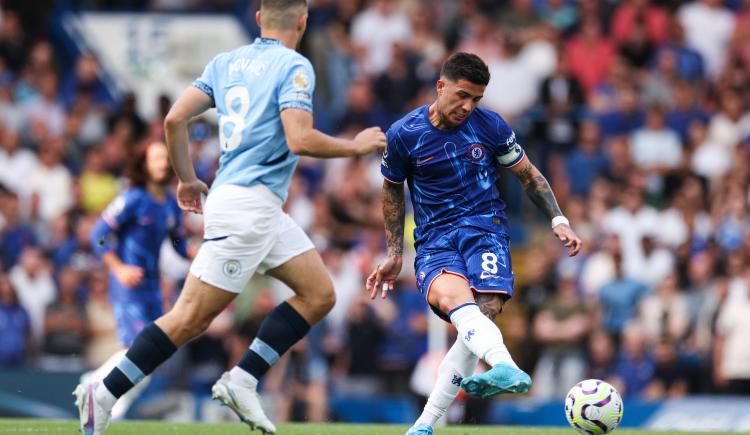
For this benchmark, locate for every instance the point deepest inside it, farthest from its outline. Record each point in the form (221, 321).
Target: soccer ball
(593, 407)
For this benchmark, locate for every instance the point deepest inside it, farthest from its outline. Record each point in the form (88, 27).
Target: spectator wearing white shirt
(375, 30)
(32, 279)
(708, 29)
(656, 147)
(50, 183)
(16, 163)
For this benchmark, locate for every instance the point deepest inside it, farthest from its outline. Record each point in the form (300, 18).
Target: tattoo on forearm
(394, 210)
(540, 193)
(490, 304)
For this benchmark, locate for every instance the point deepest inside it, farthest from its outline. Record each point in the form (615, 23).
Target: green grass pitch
(29, 426)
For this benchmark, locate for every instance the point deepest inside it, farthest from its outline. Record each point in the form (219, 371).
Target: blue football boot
(502, 378)
(420, 429)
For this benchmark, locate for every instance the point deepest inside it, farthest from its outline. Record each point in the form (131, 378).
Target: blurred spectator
(517, 74)
(619, 300)
(731, 124)
(732, 357)
(625, 117)
(635, 366)
(15, 327)
(708, 27)
(84, 78)
(45, 110)
(560, 14)
(65, 329)
(35, 288)
(100, 320)
(601, 356)
(561, 328)
(98, 187)
(382, 18)
(13, 41)
(671, 373)
(50, 185)
(587, 161)
(589, 54)
(689, 62)
(15, 162)
(684, 110)
(631, 14)
(16, 234)
(665, 313)
(655, 147)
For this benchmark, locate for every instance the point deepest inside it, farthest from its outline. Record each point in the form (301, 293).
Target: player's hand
(569, 238)
(369, 140)
(384, 276)
(128, 275)
(189, 195)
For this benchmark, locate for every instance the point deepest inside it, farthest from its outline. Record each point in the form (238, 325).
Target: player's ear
(302, 22)
(257, 18)
(440, 87)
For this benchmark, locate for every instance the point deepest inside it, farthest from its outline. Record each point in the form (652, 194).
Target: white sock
(481, 335)
(458, 363)
(104, 397)
(102, 372)
(123, 405)
(241, 377)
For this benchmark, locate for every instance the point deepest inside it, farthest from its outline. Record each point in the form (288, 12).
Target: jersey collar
(267, 41)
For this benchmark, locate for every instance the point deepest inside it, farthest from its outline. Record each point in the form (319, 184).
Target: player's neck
(435, 119)
(289, 38)
(156, 190)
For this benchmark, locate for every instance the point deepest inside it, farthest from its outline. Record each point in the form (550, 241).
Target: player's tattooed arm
(537, 188)
(394, 210)
(490, 304)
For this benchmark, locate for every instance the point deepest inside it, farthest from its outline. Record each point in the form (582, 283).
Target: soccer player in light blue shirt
(449, 152)
(263, 95)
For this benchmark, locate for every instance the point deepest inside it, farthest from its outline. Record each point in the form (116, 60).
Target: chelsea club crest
(476, 152)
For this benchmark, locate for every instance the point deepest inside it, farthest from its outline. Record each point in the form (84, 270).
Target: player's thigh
(488, 263)
(307, 276)
(448, 291)
(198, 304)
(240, 229)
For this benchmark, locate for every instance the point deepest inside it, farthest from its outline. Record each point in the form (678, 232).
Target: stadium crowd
(637, 111)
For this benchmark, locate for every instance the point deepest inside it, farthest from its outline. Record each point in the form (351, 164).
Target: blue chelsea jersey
(250, 86)
(140, 224)
(451, 173)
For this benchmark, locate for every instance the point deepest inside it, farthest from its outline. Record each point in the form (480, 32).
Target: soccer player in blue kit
(449, 153)
(139, 219)
(263, 96)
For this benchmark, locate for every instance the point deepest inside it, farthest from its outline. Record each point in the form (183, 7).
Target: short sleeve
(508, 151)
(206, 81)
(120, 210)
(395, 163)
(296, 90)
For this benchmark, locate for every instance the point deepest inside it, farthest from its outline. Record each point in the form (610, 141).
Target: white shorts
(244, 230)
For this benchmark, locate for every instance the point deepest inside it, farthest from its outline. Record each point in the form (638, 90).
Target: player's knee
(328, 299)
(324, 299)
(187, 325)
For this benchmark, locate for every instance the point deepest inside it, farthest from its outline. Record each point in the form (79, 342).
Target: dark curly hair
(466, 66)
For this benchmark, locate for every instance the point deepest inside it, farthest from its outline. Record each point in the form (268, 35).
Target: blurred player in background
(449, 152)
(263, 94)
(138, 220)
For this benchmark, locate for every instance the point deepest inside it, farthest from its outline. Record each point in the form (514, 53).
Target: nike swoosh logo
(89, 426)
(215, 239)
(484, 275)
(425, 160)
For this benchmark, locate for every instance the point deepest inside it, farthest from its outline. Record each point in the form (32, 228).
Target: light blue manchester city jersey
(250, 87)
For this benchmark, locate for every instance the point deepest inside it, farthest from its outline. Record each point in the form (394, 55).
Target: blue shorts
(134, 309)
(480, 257)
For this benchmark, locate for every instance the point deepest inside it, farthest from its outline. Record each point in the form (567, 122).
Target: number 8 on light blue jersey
(250, 86)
